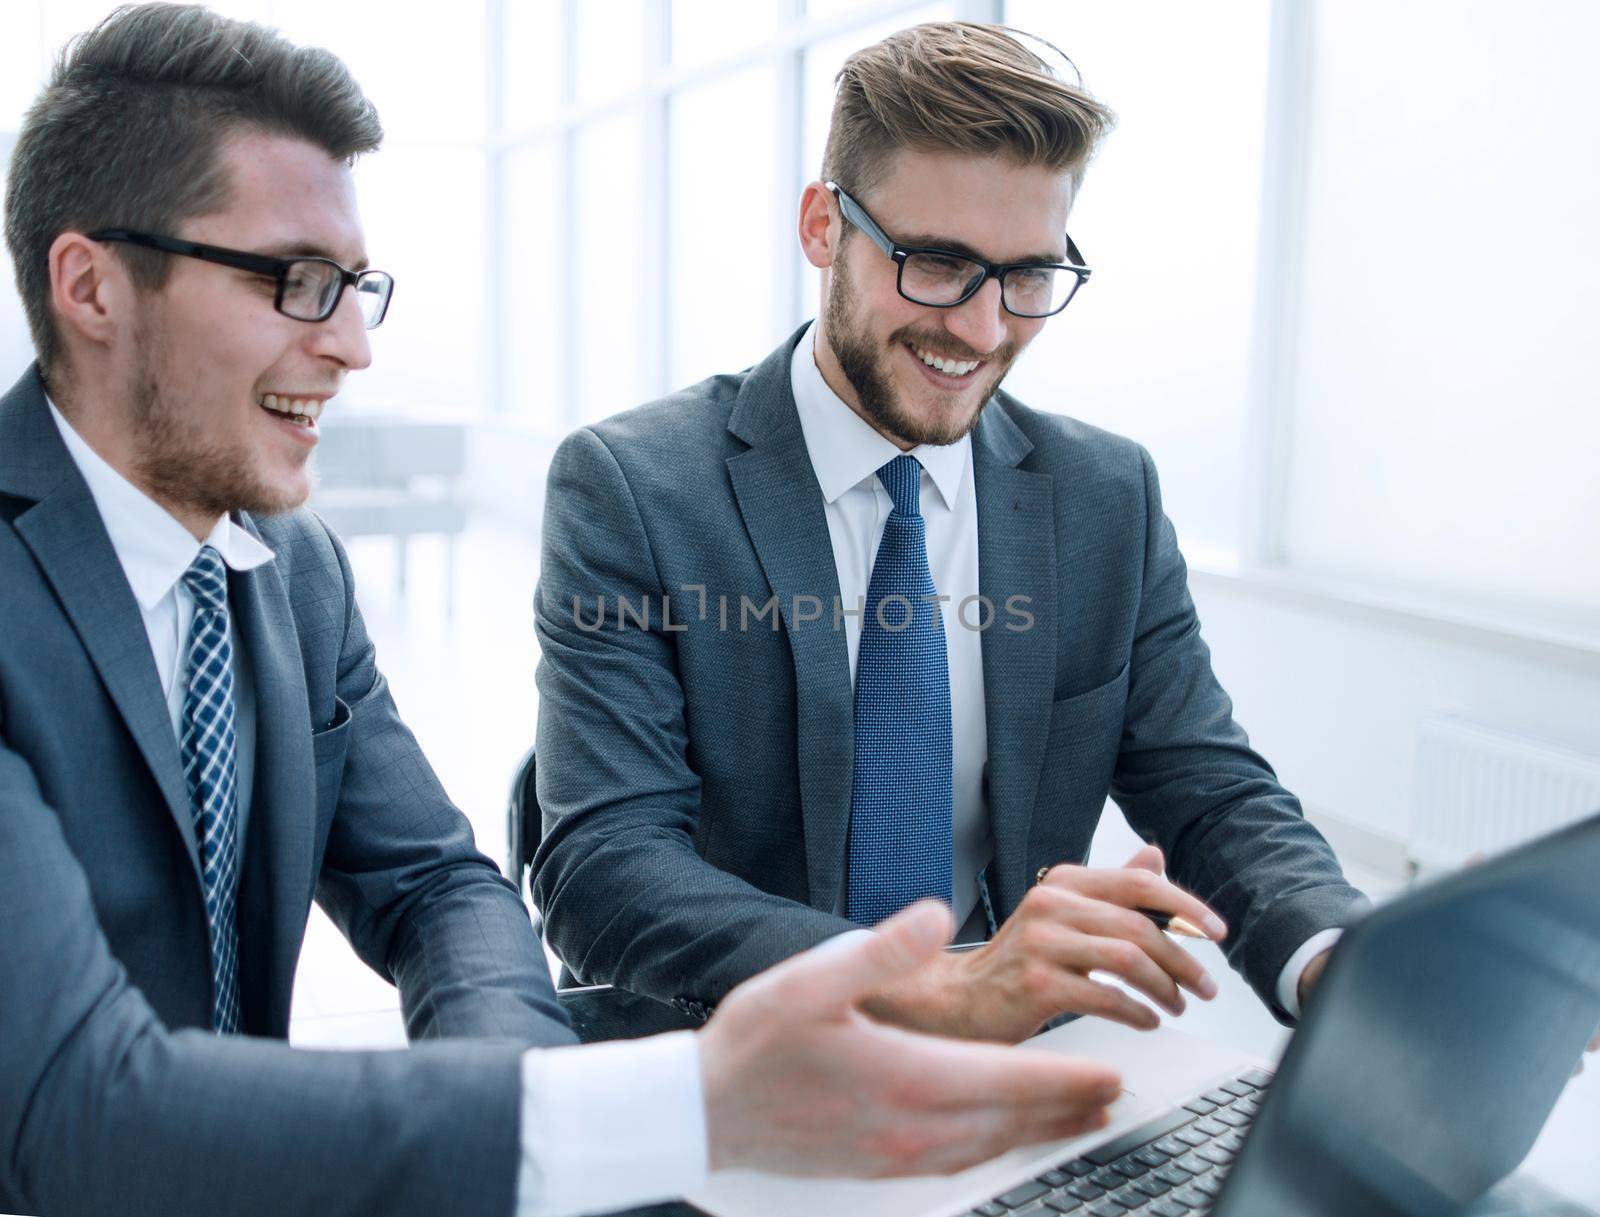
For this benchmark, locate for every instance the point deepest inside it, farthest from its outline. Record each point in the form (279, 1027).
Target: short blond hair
(957, 86)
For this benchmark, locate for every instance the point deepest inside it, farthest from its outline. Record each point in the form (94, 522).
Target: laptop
(1440, 1037)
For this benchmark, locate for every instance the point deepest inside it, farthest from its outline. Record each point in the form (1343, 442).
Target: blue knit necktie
(207, 745)
(900, 792)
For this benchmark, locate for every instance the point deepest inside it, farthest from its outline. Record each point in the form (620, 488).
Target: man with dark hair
(903, 634)
(195, 741)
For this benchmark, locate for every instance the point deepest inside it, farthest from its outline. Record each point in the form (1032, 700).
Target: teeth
(307, 408)
(950, 367)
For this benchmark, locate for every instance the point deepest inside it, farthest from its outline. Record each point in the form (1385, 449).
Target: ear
(90, 289)
(821, 225)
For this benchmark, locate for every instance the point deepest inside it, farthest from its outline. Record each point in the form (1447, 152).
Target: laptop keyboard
(1169, 1166)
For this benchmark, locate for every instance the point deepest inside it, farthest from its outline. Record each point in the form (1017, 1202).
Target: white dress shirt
(846, 454)
(604, 1126)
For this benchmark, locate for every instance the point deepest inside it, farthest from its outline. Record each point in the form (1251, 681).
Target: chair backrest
(523, 822)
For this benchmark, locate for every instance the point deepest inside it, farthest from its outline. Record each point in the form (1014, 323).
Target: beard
(177, 463)
(865, 366)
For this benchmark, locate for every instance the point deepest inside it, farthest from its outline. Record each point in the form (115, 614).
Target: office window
(705, 31)
(611, 48)
(726, 237)
(530, 271)
(611, 279)
(1445, 428)
(1157, 346)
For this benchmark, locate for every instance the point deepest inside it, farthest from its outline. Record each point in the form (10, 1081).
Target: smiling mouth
(302, 411)
(959, 368)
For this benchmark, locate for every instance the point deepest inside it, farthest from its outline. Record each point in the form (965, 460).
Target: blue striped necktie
(207, 746)
(900, 846)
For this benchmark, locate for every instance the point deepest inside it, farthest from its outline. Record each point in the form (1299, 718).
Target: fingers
(1136, 888)
(1113, 922)
(837, 974)
(1149, 858)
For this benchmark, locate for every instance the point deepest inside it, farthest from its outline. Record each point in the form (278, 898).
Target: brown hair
(128, 133)
(957, 86)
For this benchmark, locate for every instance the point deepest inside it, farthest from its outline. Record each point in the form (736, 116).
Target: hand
(798, 1080)
(1075, 921)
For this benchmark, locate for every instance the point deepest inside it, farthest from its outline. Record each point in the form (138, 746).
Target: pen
(1173, 925)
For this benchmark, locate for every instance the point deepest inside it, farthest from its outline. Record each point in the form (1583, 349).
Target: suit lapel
(279, 831)
(1017, 547)
(781, 503)
(68, 540)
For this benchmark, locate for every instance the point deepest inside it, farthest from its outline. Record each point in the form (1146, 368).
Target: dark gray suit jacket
(113, 1096)
(695, 779)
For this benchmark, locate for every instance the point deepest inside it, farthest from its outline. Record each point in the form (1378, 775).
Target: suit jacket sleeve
(103, 1110)
(626, 897)
(403, 880)
(1187, 778)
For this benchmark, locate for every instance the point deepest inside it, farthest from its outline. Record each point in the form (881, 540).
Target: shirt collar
(845, 450)
(153, 548)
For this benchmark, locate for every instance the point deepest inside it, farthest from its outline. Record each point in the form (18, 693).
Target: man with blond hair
(196, 741)
(856, 627)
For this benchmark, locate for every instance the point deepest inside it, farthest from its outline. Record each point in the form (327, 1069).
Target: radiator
(1482, 791)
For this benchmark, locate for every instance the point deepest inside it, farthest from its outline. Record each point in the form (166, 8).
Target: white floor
(465, 686)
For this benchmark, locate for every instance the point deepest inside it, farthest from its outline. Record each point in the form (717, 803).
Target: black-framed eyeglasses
(941, 278)
(308, 288)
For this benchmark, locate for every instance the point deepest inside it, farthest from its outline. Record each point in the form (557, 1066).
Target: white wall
(1331, 691)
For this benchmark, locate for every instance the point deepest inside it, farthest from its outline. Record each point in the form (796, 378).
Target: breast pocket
(1080, 755)
(327, 753)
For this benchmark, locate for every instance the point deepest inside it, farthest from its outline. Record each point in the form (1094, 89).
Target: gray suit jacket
(695, 778)
(113, 1096)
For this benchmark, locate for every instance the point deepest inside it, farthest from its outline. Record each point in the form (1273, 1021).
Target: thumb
(827, 979)
(1149, 858)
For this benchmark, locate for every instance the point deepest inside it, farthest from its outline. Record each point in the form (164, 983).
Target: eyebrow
(925, 240)
(304, 249)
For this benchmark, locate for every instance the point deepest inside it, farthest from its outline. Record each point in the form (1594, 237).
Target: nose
(980, 322)
(343, 336)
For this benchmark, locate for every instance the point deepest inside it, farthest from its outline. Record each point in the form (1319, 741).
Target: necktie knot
(902, 478)
(207, 579)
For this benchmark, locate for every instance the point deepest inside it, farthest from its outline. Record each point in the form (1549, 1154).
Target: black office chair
(523, 828)
(596, 1012)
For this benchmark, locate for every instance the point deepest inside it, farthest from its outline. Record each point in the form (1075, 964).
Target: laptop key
(1215, 1154)
(1173, 1175)
(1062, 1202)
(1193, 1163)
(1220, 1097)
(1210, 1185)
(1129, 1167)
(1055, 1178)
(992, 1209)
(1165, 1208)
(1106, 1178)
(1035, 1210)
(1192, 1196)
(1152, 1187)
(1210, 1127)
(1150, 1130)
(1191, 1136)
(1104, 1209)
(1078, 1167)
(1019, 1196)
(1259, 1078)
(1151, 1156)
(1170, 1146)
(1127, 1198)
(1200, 1107)
(1084, 1190)
(1234, 1118)
(1233, 1141)
(1240, 1089)
(1246, 1107)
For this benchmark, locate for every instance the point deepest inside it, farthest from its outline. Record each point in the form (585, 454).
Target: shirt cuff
(1289, 978)
(609, 1126)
